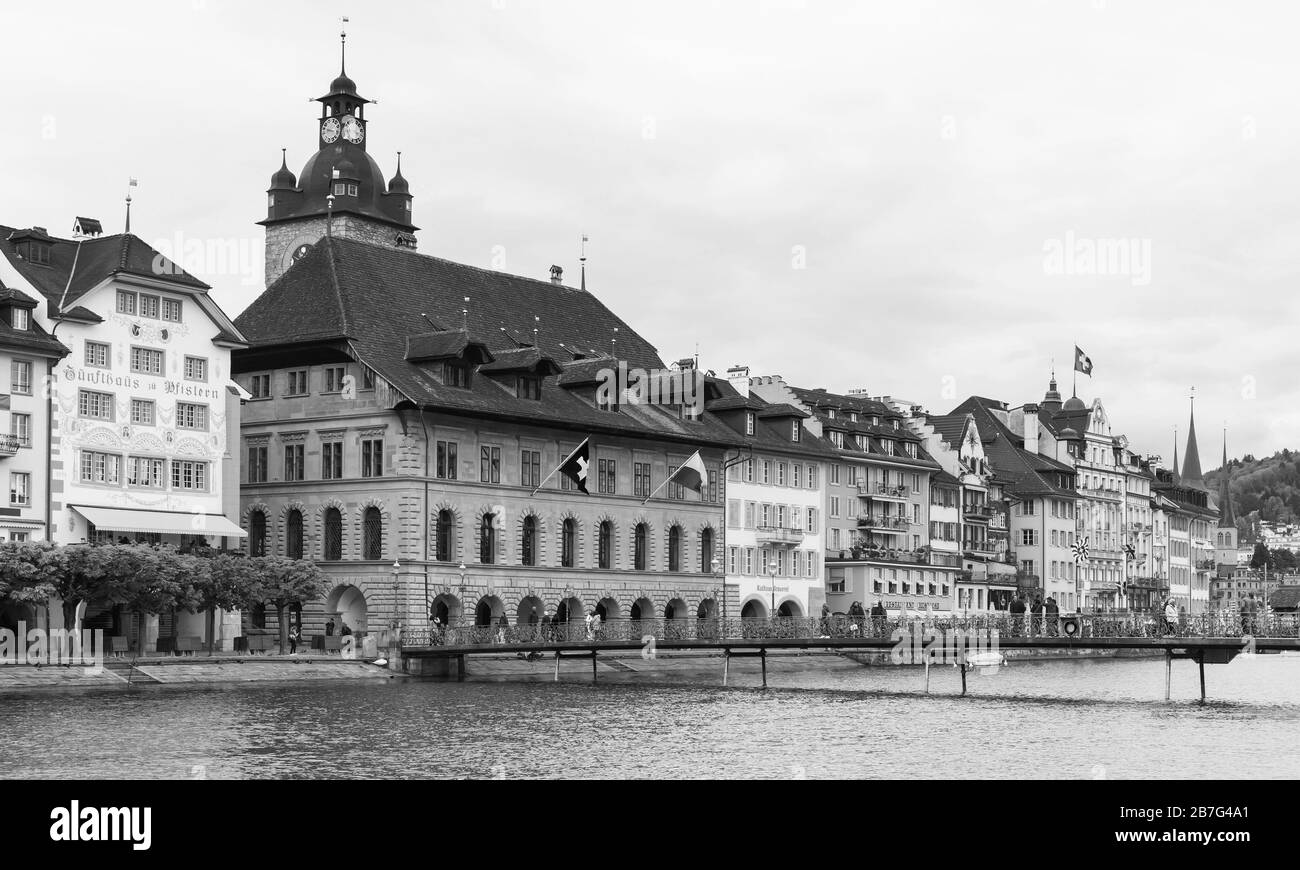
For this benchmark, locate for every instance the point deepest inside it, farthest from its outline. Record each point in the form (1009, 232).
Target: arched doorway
(708, 609)
(570, 609)
(642, 608)
(676, 609)
(347, 606)
(789, 610)
(607, 609)
(489, 611)
(753, 609)
(529, 611)
(447, 609)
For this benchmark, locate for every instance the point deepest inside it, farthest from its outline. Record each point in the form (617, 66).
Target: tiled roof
(1026, 473)
(437, 345)
(782, 412)
(99, 258)
(1285, 598)
(14, 295)
(949, 427)
(768, 433)
(374, 298)
(944, 478)
(523, 359)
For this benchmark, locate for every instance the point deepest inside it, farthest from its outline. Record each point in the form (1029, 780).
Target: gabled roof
(1025, 473)
(98, 259)
(522, 359)
(769, 434)
(441, 345)
(950, 427)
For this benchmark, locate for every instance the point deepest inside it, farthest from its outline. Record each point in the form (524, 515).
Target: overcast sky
(893, 196)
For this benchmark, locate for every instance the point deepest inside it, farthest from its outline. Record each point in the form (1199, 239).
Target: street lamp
(717, 575)
(771, 573)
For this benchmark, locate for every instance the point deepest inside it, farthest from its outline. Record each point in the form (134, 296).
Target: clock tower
(341, 189)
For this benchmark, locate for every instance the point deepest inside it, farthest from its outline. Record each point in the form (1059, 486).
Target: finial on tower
(130, 184)
(343, 47)
(583, 260)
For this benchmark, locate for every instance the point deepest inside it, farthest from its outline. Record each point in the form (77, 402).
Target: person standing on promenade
(1053, 616)
(1017, 611)
(294, 636)
(878, 618)
(826, 619)
(1036, 624)
(329, 627)
(1171, 616)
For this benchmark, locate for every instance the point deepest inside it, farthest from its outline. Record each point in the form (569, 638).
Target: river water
(1051, 719)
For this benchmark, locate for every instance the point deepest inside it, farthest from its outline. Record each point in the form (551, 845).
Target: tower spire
(583, 260)
(130, 184)
(1177, 475)
(1192, 464)
(1227, 517)
(343, 48)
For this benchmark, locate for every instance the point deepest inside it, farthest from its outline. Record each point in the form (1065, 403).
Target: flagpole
(563, 463)
(669, 478)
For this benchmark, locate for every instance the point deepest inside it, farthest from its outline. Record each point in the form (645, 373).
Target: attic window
(607, 400)
(529, 387)
(20, 318)
(853, 416)
(830, 413)
(837, 438)
(794, 432)
(910, 448)
(749, 422)
(456, 373)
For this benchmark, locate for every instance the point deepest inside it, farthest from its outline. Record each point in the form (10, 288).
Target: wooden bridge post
(593, 665)
(927, 675)
(762, 657)
(1169, 671)
(1200, 661)
(460, 669)
(963, 678)
(726, 665)
(557, 666)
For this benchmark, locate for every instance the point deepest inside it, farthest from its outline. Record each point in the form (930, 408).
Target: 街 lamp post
(771, 573)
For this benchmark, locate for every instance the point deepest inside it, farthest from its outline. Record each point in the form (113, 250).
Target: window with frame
(640, 544)
(20, 377)
(293, 534)
(147, 361)
(530, 468)
(780, 474)
(812, 477)
(529, 387)
(605, 545)
(331, 460)
(296, 383)
(568, 542)
(97, 354)
(713, 496)
(675, 548)
(171, 310)
(372, 457)
(294, 462)
(189, 475)
(145, 472)
(487, 539)
(367, 378)
(749, 422)
(142, 412)
(675, 490)
(20, 488)
(196, 368)
(456, 373)
(95, 405)
(257, 534)
(260, 386)
(767, 472)
(126, 302)
(528, 542)
(641, 479)
(102, 468)
(257, 464)
(333, 535)
(445, 464)
(706, 551)
(795, 429)
(149, 306)
(191, 416)
(20, 427)
(334, 376)
(489, 464)
(606, 476)
(372, 532)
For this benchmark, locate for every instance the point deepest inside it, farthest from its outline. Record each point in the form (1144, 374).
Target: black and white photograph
(781, 390)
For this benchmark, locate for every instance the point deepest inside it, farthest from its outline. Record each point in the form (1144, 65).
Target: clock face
(300, 251)
(352, 130)
(329, 130)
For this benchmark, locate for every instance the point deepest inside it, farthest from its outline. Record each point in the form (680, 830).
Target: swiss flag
(575, 467)
(1082, 362)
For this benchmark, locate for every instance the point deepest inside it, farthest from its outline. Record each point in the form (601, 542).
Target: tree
(283, 583)
(1261, 556)
(229, 582)
(1284, 561)
(27, 572)
(78, 572)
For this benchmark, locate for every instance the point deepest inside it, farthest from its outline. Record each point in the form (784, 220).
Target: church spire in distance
(1227, 517)
(1192, 464)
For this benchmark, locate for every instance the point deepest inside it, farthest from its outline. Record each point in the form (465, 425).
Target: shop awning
(161, 522)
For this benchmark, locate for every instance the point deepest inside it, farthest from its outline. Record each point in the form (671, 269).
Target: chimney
(738, 377)
(557, 275)
(1031, 428)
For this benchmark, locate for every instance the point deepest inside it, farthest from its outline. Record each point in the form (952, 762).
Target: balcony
(979, 548)
(8, 445)
(884, 554)
(778, 536)
(1206, 564)
(881, 492)
(1108, 494)
(891, 525)
(980, 512)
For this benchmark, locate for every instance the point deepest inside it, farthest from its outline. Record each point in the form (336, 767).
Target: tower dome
(283, 179)
(398, 184)
(1074, 403)
(1052, 398)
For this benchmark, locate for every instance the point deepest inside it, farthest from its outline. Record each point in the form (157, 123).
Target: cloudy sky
(901, 197)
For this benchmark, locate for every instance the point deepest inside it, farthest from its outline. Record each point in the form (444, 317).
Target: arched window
(259, 616)
(675, 549)
(569, 543)
(257, 534)
(333, 535)
(528, 542)
(373, 535)
(487, 540)
(605, 549)
(446, 522)
(293, 534)
(706, 551)
(640, 542)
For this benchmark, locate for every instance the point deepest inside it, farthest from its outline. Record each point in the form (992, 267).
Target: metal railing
(779, 535)
(891, 523)
(640, 631)
(880, 489)
(9, 445)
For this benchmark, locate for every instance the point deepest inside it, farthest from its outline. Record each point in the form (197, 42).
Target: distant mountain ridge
(1262, 489)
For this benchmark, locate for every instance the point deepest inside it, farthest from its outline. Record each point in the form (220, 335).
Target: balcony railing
(8, 445)
(1090, 492)
(885, 554)
(881, 491)
(980, 547)
(1206, 564)
(778, 535)
(980, 512)
(886, 524)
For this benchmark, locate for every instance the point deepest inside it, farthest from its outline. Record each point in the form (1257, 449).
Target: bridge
(966, 642)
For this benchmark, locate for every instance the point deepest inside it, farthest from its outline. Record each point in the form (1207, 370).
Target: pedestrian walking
(1017, 612)
(878, 615)
(1053, 616)
(1171, 616)
(294, 636)
(329, 628)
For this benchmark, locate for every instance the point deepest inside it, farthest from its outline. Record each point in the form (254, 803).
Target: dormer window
(853, 416)
(837, 438)
(794, 432)
(20, 319)
(749, 422)
(607, 400)
(456, 373)
(875, 421)
(895, 423)
(830, 414)
(911, 449)
(529, 387)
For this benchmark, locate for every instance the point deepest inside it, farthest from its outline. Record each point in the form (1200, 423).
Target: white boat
(986, 659)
